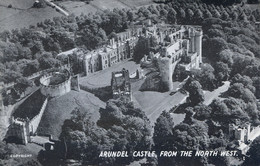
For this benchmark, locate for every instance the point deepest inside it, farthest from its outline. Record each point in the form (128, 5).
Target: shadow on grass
(103, 93)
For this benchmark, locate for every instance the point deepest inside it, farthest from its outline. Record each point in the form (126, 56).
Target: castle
(120, 84)
(244, 134)
(56, 83)
(180, 46)
(27, 116)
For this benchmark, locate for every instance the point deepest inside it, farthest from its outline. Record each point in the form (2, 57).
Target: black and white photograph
(130, 82)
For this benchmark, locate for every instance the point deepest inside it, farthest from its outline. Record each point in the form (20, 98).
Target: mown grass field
(20, 4)
(22, 15)
(59, 109)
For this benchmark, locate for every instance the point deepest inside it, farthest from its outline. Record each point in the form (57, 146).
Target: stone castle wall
(34, 123)
(54, 90)
(5, 116)
(171, 55)
(23, 128)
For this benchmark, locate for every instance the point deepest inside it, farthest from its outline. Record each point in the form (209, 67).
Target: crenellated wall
(22, 129)
(55, 90)
(186, 50)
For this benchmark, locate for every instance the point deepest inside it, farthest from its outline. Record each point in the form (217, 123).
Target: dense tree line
(121, 127)
(231, 47)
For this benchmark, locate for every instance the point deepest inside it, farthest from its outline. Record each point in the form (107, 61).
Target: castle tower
(198, 45)
(248, 131)
(85, 65)
(166, 72)
(192, 40)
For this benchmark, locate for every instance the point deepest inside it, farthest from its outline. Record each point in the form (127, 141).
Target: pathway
(210, 96)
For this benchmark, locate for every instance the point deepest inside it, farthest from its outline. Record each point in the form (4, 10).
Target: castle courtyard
(103, 78)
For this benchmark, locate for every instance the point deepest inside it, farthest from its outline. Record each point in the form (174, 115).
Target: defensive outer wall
(23, 128)
(55, 90)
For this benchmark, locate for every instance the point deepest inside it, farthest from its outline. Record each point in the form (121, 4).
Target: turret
(85, 65)
(192, 40)
(198, 44)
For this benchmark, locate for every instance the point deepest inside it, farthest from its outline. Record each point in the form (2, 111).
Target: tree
(254, 153)
(171, 16)
(181, 15)
(83, 138)
(10, 76)
(190, 137)
(47, 62)
(129, 123)
(225, 56)
(245, 80)
(64, 39)
(183, 136)
(198, 16)
(22, 84)
(189, 16)
(202, 112)
(146, 13)
(163, 13)
(222, 71)
(213, 46)
(196, 94)
(207, 14)
(163, 127)
(31, 67)
(153, 10)
(5, 35)
(141, 49)
(220, 112)
(224, 15)
(92, 36)
(206, 77)
(238, 90)
(256, 84)
(238, 110)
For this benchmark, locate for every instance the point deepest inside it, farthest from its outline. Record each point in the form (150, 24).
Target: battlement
(184, 48)
(56, 83)
(26, 118)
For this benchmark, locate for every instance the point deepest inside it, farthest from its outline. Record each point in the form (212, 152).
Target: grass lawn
(24, 16)
(78, 7)
(7, 12)
(154, 103)
(59, 109)
(136, 3)
(20, 4)
(103, 78)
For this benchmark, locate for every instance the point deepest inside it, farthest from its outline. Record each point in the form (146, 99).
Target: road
(57, 7)
(154, 111)
(154, 103)
(210, 96)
